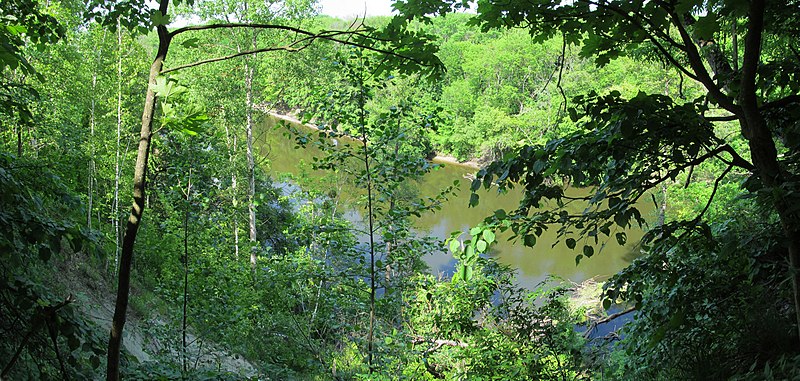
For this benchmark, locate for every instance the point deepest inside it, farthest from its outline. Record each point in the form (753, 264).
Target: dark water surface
(533, 264)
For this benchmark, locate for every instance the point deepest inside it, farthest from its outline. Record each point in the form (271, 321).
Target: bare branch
(725, 118)
(783, 102)
(288, 48)
(350, 31)
(606, 320)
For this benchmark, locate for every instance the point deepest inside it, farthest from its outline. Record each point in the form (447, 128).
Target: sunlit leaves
(157, 18)
(177, 113)
(166, 87)
(134, 15)
(468, 251)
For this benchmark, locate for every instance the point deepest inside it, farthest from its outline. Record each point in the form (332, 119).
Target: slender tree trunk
(19, 139)
(232, 147)
(251, 165)
(735, 46)
(371, 333)
(135, 218)
(90, 190)
(186, 270)
(115, 203)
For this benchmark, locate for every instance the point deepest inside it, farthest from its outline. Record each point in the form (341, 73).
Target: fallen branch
(606, 320)
(434, 369)
(438, 343)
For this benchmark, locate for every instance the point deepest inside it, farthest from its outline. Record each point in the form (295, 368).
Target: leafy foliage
(684, 326)
(44, 335)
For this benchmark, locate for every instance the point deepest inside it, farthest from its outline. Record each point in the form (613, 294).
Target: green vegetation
(222, 271)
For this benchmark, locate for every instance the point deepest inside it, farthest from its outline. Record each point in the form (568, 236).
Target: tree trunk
(135, 218)
(251, 164)
(762, 148)
(115, 203)
(90, 181)
(186, 272)
(232, 148)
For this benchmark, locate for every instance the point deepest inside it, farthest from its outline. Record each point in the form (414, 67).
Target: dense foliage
(237, 274)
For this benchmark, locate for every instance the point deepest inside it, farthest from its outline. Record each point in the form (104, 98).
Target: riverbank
(438, 159)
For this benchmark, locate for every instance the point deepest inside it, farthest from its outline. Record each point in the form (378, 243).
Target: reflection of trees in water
(532, 265)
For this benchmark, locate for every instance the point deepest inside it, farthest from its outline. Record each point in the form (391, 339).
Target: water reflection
(533, 264)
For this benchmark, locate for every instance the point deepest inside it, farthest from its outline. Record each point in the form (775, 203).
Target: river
(532, 264)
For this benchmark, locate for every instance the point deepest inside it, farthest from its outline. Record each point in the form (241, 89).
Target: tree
(136, 15)
(629, 146)
(247, 39)
(388, 155)
(24, 24)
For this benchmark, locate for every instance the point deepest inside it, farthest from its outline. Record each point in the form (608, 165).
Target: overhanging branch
(328, 35)
(288, 48)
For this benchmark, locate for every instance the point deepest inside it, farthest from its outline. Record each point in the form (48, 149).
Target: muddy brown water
(532, 264)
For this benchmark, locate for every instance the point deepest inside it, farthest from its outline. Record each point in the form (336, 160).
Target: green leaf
(461, 273)
(469, 253)
(454, 246)
(473, 199)
(621, 238)
(167, 87)
(190, 43)
(588, 251)
(530, 240)
(570, 243)
(488, 236)
(539, 166)
(706, 27)
(606, 304)
(481, 246)
(158, 18)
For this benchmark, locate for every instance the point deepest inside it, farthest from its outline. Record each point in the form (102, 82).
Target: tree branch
(651, 37)
(783, 102)
(438, 343)
(713, 194)
(289, 48)
(606, 320)
(234, 25)
(752, 54)
(329, 35)
(725, 118)
(696, 63)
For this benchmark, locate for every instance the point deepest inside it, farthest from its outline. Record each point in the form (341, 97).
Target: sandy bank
(439, 159)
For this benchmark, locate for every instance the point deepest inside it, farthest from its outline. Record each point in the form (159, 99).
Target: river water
(532, 264)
